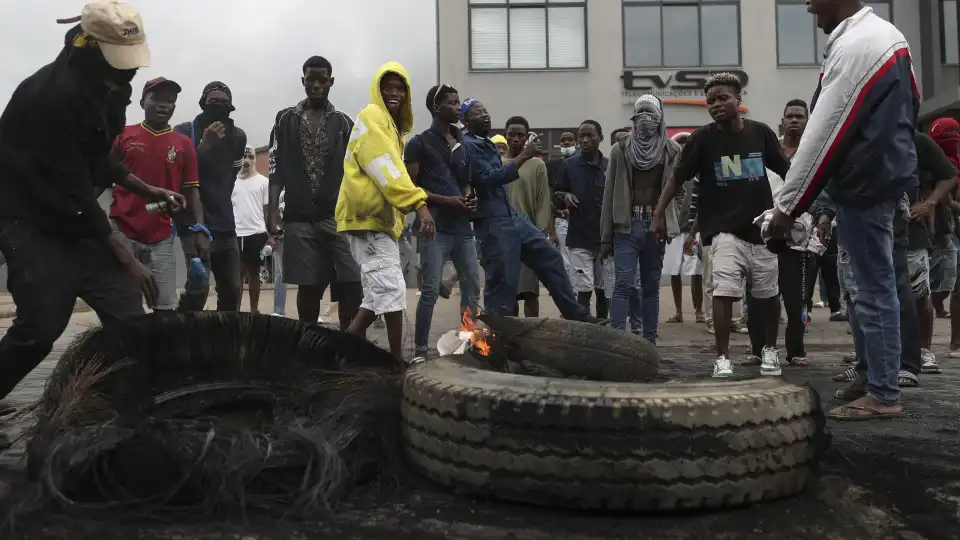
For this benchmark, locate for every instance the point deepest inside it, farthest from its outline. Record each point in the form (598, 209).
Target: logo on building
(683, 87)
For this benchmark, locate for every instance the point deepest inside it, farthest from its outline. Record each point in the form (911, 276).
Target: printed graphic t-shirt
(249, 197)
(164, 159)
(732, 170)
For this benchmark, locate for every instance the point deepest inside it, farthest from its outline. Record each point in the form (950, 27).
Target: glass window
(800, 44)
(675, 33)
(949, 32)
(528, 34)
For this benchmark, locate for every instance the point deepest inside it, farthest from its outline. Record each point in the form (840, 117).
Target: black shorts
(316, 254)
(250, 247)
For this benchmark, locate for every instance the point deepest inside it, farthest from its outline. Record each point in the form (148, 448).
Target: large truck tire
(575, 349)
(600, 445)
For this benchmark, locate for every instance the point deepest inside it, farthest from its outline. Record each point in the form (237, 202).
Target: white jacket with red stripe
(859, 141)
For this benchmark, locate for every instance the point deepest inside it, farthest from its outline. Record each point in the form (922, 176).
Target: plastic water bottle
(157, 207)
(266, 252)
(196, 273)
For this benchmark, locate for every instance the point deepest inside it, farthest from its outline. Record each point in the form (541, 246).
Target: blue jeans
(641, 251)
(462, 251)
(279, 287)
(866, 234)
(505, 242)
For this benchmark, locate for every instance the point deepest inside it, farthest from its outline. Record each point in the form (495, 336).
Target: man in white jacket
(859, 145)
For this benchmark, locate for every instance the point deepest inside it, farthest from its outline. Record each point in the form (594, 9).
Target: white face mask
(568, 151)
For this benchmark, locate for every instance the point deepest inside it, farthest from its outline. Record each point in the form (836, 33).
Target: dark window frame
(943, 29)
(545, 5)
(680, 3)
(813, 24)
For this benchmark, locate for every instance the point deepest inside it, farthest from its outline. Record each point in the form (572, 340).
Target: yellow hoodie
(376, 191)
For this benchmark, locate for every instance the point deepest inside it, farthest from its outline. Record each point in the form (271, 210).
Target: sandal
(675, 319)
(700, 318)
(907, 379)
(798, 361)
(712, 349)
(852, 413)
(855, 390)
(847, 376)
(850, 358)
(751, 360)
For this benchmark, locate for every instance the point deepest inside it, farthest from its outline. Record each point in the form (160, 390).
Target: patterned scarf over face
(649, 136)
(946, 133)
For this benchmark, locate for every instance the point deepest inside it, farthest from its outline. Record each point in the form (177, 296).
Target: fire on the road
(474, 334)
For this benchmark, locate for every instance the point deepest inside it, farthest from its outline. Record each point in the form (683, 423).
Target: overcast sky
(256, 47)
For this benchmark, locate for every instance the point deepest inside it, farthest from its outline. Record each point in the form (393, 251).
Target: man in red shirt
(162, 158)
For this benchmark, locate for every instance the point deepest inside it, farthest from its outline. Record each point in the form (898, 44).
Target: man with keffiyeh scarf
(220, 146)
(640, 166)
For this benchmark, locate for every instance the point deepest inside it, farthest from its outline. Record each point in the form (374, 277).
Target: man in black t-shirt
(730, 156)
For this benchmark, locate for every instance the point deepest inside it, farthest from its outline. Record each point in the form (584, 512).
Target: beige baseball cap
(118, 29)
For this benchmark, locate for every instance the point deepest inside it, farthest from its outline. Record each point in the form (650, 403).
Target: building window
(949, 46)
(681, 33)
(801, 44)
(528, 34)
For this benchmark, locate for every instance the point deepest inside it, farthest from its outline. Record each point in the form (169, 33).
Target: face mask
(217, 111)
(568, 151)
(646, 129)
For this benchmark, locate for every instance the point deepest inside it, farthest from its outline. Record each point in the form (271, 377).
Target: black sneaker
(839, 316)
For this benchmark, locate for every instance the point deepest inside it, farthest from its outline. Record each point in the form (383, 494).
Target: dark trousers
(826, 265)
(505, 242)
(224, 263)
(46, 275)
(791, 282)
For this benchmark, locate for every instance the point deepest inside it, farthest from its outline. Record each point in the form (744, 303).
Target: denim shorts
(943, 267)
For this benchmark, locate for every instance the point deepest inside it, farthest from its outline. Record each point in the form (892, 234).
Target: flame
(473, 333)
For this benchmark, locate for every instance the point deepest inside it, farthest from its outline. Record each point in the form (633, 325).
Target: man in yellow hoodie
(375, 194)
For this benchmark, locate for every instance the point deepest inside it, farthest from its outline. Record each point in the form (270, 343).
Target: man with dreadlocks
(56, 239)
(220, 147)
(730, 157)
(641, 165)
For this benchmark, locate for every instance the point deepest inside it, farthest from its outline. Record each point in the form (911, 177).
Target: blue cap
(465, 106)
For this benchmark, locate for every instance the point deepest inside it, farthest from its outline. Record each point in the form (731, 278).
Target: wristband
(199, 227)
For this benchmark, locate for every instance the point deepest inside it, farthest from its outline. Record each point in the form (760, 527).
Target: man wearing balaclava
(639, 168)
(56, 136)
(220, 147)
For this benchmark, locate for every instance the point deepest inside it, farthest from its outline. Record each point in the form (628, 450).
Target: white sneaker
(930, 363)
(770, 362)
(722, 367)
(277, 314)
(819, 305)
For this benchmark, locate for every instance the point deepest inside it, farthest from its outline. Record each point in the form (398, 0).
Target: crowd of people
(851, 190)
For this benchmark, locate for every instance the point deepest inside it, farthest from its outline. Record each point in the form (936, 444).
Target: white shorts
(587, 270)
(678, 263)
(381, 275)
(735, 261)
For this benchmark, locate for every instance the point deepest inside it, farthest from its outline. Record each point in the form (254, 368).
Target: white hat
(118, 29)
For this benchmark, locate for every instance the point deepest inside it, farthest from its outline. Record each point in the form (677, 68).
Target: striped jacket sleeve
(857, 89)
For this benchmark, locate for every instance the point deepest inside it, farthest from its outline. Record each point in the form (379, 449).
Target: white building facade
(559, 62)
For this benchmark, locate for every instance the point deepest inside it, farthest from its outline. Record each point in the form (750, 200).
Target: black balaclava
(218, 112)
(82, 54)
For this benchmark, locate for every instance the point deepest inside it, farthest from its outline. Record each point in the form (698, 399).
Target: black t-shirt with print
(732, 169)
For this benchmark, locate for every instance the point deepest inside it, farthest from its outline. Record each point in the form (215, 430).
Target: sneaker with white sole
(954, 354)
(722, 367)
(770, 362)
(930, 363)
(819, 305)
(709, 327)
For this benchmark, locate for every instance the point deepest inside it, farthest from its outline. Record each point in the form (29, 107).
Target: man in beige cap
(56, 135)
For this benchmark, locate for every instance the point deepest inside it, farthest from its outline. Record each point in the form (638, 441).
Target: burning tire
(601, 445)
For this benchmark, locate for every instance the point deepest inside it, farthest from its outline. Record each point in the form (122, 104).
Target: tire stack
(609, 445)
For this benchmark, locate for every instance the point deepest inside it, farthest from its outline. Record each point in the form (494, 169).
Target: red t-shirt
(163, 159)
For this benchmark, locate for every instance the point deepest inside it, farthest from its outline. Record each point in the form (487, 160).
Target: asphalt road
(890, 479)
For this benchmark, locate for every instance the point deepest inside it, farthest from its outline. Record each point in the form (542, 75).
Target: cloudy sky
(257, 47)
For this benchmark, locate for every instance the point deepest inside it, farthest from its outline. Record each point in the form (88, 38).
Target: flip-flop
(751, 360)
(798, 362)
(700, 318)
(850, 358)
(873, 414)
(675, 319)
